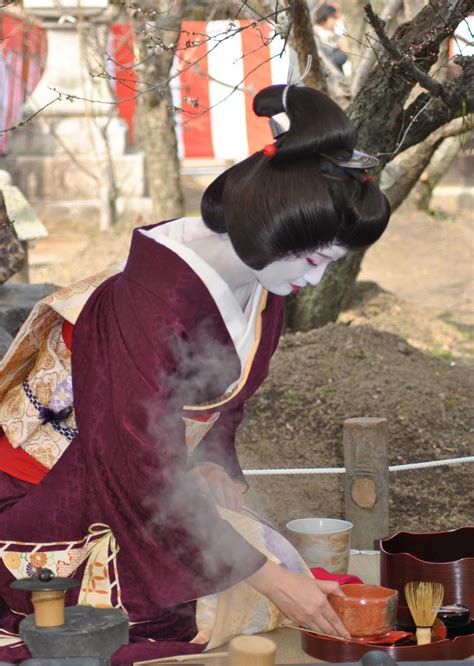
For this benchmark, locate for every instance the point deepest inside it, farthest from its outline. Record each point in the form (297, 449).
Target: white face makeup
(284, 276)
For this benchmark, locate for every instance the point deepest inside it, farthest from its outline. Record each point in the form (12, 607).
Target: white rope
(431, 463)
(297, 470)
(341, 470)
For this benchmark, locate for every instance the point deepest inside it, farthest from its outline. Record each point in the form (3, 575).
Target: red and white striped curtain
(22, 59)
(217, 70)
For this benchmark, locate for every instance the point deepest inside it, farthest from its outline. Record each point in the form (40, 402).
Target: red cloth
(342, 579)
(18, 463)
(67, 331)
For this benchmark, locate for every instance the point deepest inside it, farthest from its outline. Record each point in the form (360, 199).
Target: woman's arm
(303, 600)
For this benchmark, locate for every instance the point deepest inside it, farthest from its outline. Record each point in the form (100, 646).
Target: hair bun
(317, 123)
(269, 101)
(298, 200)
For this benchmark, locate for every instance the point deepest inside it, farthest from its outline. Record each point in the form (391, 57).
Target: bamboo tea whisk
(424, 601)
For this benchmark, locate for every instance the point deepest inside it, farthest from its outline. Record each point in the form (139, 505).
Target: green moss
(293, 399)
(444, 354)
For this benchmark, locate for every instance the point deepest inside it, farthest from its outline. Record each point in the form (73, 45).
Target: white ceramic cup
(322, 542)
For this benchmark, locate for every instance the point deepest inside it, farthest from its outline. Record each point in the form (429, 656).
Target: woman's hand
(302, 599)
(214, 481)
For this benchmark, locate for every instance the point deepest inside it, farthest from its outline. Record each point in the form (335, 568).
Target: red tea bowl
(367, 611)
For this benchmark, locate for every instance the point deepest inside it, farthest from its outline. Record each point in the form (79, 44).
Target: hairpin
(280, 123)
(309, 61)
(358, 160)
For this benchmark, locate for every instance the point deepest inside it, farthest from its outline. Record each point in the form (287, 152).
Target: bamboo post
(251, 651)
(366, 480)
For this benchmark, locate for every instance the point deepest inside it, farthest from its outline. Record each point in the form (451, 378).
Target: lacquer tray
(442, 557)
(333, 650)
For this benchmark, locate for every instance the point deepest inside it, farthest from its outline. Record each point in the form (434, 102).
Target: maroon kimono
(149, 341)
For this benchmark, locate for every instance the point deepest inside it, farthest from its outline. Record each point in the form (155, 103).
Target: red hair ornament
(270, 150)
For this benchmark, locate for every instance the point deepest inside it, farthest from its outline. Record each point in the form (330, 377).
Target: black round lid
(45, 581)
(454, 615)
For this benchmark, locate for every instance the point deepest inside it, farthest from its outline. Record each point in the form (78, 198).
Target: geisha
(121, 396)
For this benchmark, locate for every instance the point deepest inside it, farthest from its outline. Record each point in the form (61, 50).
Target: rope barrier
(297, 470)
(341, 470)
(431, 463)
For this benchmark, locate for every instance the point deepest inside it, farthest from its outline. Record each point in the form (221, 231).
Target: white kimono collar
(244, 332)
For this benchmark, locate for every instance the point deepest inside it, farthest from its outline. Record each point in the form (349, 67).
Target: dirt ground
(403, 349)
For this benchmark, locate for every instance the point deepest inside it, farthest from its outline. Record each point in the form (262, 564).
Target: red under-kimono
(149, 348)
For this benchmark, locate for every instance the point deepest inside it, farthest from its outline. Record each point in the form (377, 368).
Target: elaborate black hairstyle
(298, 200)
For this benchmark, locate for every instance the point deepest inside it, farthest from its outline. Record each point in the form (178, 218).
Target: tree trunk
(316, 306)
(302, 40)
(108, 185)
(156, 26)
(380, 117)
(157, 136)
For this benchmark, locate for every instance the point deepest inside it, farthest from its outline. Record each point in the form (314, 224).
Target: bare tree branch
(390, 10)
(443, 158)
(385, 129)
(426, 113)
(232, 89)
(399, 58)
(402, 174)
(146, 84)
(33, 115)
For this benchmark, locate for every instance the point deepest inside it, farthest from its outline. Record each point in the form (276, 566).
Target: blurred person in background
(330, 34)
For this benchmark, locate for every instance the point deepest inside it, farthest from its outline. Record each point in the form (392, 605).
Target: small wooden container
(251, 651)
